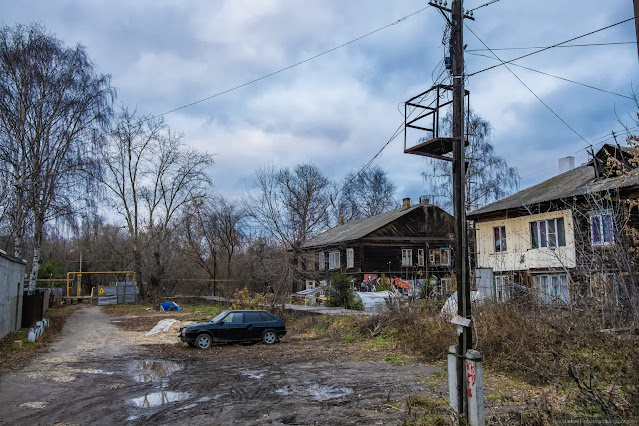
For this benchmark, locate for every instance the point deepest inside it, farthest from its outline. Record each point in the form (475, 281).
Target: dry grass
(543, 348)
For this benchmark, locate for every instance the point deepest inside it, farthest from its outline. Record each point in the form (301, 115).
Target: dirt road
(100, 373)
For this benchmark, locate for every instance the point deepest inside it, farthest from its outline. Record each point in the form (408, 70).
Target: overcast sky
(338, 110)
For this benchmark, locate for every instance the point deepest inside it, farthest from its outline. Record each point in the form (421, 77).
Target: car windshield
(220, 316)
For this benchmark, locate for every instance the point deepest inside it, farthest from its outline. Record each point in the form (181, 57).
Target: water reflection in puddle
(159, 398)
(314, 391)
(153, 371)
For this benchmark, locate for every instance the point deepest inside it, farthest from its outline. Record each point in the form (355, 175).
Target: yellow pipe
(79, 274)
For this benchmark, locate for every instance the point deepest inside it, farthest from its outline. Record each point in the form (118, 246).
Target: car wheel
(203, 341)
(269, 337)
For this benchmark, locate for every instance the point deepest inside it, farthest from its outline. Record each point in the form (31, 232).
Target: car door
(254, 325)
(233, 328)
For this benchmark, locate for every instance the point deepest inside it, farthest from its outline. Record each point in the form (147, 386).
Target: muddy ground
(103, 369)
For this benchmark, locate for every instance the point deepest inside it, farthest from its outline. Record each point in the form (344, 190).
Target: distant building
(412, 243)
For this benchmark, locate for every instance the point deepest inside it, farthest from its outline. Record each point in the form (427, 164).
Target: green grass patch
(398, 359)
(203, 312)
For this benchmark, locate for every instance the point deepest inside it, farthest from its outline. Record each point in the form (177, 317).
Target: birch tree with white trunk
(53, 103)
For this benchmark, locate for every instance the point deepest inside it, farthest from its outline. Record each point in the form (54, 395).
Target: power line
(290, 66)
(560, 78)
(549, 47)
(483, 5)
(526, 86)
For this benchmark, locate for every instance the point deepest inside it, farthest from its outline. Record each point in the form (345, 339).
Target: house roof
(578, 181)
(356, 229)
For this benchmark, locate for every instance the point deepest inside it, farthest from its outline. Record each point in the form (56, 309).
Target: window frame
(543, 234)
(441, 256)
(420, 257)
(350, 258)
(501, 288)
(321, 261)
(499, 234)
(431, 256)
(555, 288)
(332, 264)
(602, 228)
(407, 253)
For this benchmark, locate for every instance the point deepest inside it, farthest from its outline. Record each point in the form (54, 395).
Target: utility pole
(636, 2)
(464, 363)
(459, 197)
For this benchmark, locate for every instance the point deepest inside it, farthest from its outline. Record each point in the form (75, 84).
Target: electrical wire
(290, 66)
(560, 78)
(549, 47)
(483, 5)
(545, 47)
(526, 86)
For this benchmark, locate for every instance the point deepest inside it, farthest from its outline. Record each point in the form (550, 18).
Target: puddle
(153, 371)
(159, 398)
(314, 391)
(253, 374)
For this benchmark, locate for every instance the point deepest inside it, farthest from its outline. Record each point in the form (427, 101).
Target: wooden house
(566, 238)
(412, 243)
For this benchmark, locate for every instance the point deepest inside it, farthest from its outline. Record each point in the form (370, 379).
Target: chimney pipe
(423, 200)
(405, 203)
(340, 220)
(566, 164)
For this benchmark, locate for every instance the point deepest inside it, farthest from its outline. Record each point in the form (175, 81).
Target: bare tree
(290, 206)
(151, 176)
(52, 102)
(488, 177)
(366, 194)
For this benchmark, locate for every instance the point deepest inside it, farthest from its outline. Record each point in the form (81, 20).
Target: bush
(341, 293)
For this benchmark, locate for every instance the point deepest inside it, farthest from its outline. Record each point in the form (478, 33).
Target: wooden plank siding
(380, 252)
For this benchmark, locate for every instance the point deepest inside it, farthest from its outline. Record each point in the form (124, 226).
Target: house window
(350, 257)
(502, 288)
(548, 233)
(321, 261)
(499, 233)
(407, 257)
(552, 288)
(602, 229)
(431, 256)
(333, 260)
(420, 257)
(444, 285)
(444, 256)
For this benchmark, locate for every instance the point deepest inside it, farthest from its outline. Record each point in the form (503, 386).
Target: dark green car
(234, 326)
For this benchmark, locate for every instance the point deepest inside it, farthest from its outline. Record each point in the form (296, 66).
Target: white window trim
(431, 256)
(441, 257)
(501, 288)
(420, 257)
(556, 233)
(350, 258)
(547, 294)
(321, 261)
(407, 254)
(600, 215)
(334, 260)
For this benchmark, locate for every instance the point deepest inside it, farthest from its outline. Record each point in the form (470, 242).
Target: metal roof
(356, 229)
